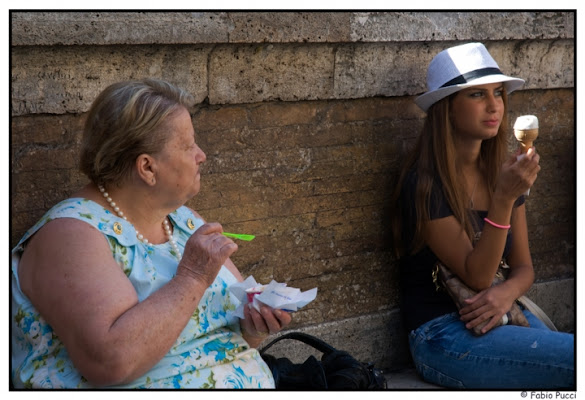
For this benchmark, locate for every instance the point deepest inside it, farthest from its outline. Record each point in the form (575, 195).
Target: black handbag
(337, 370)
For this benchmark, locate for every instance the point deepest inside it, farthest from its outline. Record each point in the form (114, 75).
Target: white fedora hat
(460, 67)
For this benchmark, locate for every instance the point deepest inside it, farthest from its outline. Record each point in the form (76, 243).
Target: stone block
(542, 64)
(112, 28)
(270, 72)
(281, 115)
(188, 27)
(46, 130)
(378, 109)
(428, 26)
(218, 119)
(399, 69)
(557, 299)
(50, 80)
(283, 27)
(380, 69)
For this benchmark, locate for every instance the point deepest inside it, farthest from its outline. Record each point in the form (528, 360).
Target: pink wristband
(492, 223)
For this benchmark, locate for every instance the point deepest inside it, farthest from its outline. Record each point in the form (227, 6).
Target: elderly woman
(122, 285)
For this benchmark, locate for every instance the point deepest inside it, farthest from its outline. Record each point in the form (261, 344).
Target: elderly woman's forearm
(140, 337)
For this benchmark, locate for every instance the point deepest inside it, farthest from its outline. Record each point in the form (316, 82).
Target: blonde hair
(125, 120)
(434, 157)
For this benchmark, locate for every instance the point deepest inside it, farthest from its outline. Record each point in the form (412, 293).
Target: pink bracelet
(492, 223)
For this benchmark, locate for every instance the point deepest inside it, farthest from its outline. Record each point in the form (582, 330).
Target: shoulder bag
(337, 369)
(459, 292)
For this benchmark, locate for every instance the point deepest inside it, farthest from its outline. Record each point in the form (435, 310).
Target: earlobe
(146, 168)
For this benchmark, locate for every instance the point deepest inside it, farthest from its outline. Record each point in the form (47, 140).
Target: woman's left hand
(256, 326)
(489, 304)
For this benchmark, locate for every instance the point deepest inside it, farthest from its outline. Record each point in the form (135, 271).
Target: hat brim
(426, 100)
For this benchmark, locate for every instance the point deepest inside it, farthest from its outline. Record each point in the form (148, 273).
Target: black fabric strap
(469, 76)
(312, 341)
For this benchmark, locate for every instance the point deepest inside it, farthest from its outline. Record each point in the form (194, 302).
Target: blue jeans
(507, 357)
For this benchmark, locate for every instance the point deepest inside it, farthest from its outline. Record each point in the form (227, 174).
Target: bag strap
(537, 312)
(530, 305)
(312, 341)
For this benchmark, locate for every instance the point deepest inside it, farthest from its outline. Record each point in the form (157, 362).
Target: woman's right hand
(518, 174)
(205, 252)
(488, 305)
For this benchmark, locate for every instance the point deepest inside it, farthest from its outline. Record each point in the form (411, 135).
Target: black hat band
(469, 76)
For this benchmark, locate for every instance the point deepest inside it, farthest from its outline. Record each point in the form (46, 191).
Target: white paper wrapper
(275, 295)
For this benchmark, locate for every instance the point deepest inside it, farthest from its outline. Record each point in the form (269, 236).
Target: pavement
(407, 379)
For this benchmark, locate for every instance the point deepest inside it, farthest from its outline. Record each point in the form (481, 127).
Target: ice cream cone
(526, 131)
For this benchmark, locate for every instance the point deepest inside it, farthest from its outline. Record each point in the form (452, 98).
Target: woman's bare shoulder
(66, 246)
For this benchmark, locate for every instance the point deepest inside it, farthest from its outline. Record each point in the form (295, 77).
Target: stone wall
(305, 118)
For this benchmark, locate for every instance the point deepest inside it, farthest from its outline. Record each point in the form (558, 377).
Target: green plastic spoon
(240, 236)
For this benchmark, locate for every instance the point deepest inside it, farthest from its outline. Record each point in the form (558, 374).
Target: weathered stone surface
(114, 28)
(269, 72)
(551, 206)
(67, 79)
(544, 65)
(463, 26)
(286, 27)
(293, 183)
(315, 190)
(49, 80)
(187, 27)
(394, 69)
(557, 300)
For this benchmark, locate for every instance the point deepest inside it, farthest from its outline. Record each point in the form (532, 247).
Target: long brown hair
(434, 158)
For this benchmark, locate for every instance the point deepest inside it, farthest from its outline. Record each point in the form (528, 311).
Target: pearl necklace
(140, 237)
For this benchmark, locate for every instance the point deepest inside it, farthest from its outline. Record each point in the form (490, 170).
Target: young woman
(460, 201)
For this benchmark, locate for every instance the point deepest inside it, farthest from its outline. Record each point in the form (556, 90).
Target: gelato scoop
(526, 131)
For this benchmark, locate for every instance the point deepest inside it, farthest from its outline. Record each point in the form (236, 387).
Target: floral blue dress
(209, 353)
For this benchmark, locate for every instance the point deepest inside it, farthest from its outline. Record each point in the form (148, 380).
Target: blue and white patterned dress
(209, 353)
